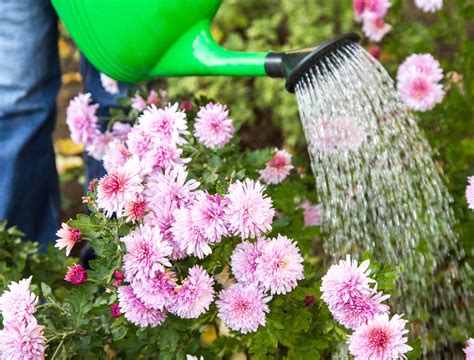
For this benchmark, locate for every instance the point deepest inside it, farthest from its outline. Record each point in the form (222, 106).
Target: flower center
(378, 338)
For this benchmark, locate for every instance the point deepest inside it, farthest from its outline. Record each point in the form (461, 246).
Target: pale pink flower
(168, 124)
(469, 350)
(212, 126)
(194, 296)
(243, 308)
(429, 5)
(117, 188)
(135, 311)
(277, 169)
(67, 238)
(361, 310)
(76, 275)
(82, 120)
(99, 145)
(164, 156)
(280, 265)
(110, 85)
(382, 338)
(138, 103)
(153, 98)
(470, 192)
(375, 27)
(189, 235)
(146, 254)
(171, 186)
(116, 155)
(419, 93)
(120, 129)
(248, 211)
(338, 135)
(208, 214)
(157, 290)
(135, 210)
(18, 303)
(244, 261)
(312, 213)
(22, 340)
(139, 142)
(375, 7)
(420, 64)
(346, 282)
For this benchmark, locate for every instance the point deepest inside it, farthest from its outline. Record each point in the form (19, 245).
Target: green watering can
(136, 40)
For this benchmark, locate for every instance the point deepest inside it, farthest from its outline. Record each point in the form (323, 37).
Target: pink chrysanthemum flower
(470, 192)
(382, 338)
(244, 261)
(99, 145)
(117, 188)
(82, 120)
(116, 155)
(18, 303)
(164, 156)
(375, 27)
(76, 275)
(248, 211)
(135, 311)
(375, 51)
(194, 296)
(469, 350)
(346, 282)
(312, 213)
(22, 340)
(138, 103)
(338, 134)
(67, 238)
(168, 124)
(419, 93)
(277, 169)
(171, 186)
(120, 130)
(135, 210)
(243, 308)
(139, 142)
(147, 253)
(361, 310)
(208, 214)
(280, 265)
(115, 311)
(212, 126)
(157, 290)
(422, 64)
(375, 7)
(429, 5)
(190, 236)
(110, 85)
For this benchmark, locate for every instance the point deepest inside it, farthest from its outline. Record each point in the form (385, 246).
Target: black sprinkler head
(293, 65)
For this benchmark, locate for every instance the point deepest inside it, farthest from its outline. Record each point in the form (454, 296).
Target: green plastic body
(136, 40)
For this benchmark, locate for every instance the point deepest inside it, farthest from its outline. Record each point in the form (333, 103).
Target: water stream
(379, 187)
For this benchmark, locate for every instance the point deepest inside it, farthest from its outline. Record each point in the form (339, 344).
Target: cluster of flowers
(418, 80)
(147, 184)
(372, 13)
(354, 303)
(21, 336)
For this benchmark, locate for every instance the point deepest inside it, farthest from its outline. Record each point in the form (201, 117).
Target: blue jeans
(29, 82)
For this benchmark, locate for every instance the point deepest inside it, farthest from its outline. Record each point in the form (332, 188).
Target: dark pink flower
(115, 311)
(76, 275)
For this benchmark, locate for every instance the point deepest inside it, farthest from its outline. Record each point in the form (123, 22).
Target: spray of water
(379, 187)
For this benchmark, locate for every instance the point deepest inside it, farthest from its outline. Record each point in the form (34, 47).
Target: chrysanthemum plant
(201, 247)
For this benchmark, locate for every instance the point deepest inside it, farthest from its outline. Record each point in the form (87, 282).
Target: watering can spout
(196, 53)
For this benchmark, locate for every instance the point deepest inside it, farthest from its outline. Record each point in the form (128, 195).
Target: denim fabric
(29, 82)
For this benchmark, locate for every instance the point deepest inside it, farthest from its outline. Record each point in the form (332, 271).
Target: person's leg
(29, 81)
(93, 85)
